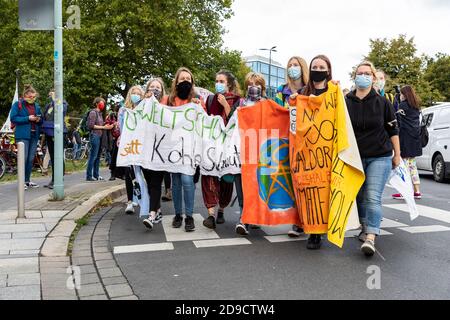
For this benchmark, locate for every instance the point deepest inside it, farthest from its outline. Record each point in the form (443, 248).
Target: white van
(436, 155)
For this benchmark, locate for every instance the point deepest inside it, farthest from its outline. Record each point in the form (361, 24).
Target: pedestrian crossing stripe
(424, 211)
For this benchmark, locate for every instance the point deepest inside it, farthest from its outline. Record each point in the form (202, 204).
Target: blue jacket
(19, 116)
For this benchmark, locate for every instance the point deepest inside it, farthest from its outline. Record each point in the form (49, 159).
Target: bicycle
(81, 158)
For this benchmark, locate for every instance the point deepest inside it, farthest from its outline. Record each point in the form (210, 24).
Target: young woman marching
(376, 131)
(218, 192)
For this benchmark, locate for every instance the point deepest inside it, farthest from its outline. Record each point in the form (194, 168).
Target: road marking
(144, 248)
(355, 233)
(221, 243)
(424, 211)
(388, 223)
(285, 238)
(200, 233)
(425, 229)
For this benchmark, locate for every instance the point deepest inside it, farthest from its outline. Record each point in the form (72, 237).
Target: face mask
(30, 101)
(254, 93)
(294, 73)
(381, 84)
(363, 81)
(135, 98)
(101, 106)
(220, 88)
(318, 76)
(184, 89)
(156, 93)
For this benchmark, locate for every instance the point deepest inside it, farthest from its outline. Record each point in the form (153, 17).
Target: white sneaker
(100, 178)
(295, 232)
(134, 204)
(241, 229)
(26, 187)
(129, 209)
(33, 185)
(148, 223)
(368, 248)
(158, 218)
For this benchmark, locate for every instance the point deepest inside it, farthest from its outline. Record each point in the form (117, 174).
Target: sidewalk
(33, 251)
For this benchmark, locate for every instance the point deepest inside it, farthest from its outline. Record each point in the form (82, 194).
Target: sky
(340, 29)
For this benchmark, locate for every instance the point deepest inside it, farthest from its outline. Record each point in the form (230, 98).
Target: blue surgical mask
(294, 73)
(363, 81)
(135, 98)
(220, 88)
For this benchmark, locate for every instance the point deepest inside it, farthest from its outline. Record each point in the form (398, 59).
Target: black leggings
(154, 180)
(129, 177)
(51, 149)
(167, 180)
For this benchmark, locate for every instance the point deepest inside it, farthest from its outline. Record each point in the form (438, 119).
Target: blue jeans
(30, 153)
(94, 157)
(76, 151)
(377, 172)
(180, 183)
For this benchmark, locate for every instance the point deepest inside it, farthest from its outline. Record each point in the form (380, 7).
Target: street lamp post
(270, 61)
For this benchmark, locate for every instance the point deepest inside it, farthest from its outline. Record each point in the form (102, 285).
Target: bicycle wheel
(68, 154)
(2, 167)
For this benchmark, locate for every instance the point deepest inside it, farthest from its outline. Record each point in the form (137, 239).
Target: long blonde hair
(173, 89)
(305, 71)
(161, 82)
(128, 103)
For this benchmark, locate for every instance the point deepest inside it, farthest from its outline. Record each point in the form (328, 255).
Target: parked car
(436, 154)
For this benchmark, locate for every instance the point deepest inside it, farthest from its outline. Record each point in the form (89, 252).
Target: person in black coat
(408, 116)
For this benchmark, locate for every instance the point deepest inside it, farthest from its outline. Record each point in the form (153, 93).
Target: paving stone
(8, 215)
(114, 280)
(80, 254)
(82, 248)
(80, 261)
(54, 264)
(101, 243)
(54, 213)
(3, 280)
(21, 293)
(89, 278)
(29, 235)
(50, 226)
(79, 242)
(119, 290)
(64, 229)
(103, 256)
(101, 249)
(103, 264)
(88, 269)
(4, 236)
(59, 294)
(22, 221)
(99, 297)
(24, 252)
(21, 244)
(55, 247)
(13, 228)
(91, 290)
(33, 214)
(101, 238)
(126, 298)
(19, 265)
(54, 281)
(110, 272)
(48, 259)
(24, 279)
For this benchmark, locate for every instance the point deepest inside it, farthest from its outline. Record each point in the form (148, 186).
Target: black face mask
(184, 89)
(318, 76)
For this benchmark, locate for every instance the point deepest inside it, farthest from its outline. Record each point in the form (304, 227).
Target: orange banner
(266, 178)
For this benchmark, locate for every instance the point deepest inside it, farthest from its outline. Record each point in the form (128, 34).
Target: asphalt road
(413, 263)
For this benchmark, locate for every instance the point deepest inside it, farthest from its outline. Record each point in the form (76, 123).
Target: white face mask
(381, 84)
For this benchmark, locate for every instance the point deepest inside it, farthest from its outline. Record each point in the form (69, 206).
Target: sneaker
(241, 229)
(295, 232)
(91, 179)
(177, 221)
(32, 185)
(26, 187)
(397, 196)
(255, 227)
(168, 196)
(112, 178)
(189, 225)
(129, 209)
(368, 248)
(362, 236)
(134, 204)
(100, 178)
(210, 222)
(148, 223)
(417, 195)
(158, 218)
(314, 242)
(220, 219)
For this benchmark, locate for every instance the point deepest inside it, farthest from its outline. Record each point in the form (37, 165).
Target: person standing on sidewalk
(183, 92)
(48, 127)
(96, 127)
(408, 116)
(376, 131)
(26, 115)
(215, 191)
(113, 136)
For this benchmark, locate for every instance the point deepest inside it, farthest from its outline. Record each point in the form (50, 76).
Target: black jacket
(409, 124)
(374, 123)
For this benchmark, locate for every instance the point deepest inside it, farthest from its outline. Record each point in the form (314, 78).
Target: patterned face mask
(254, 93)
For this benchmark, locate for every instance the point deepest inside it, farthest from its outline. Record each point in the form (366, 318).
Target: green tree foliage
(120, 44)
(398, 58)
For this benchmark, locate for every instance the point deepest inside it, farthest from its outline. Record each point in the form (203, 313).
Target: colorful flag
(266, 178)
(7, 125)
(326, 166)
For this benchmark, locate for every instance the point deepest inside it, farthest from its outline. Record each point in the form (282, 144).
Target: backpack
(424, 135)
(84, 129)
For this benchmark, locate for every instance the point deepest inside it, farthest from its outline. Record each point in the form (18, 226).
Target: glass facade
(278, 74)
